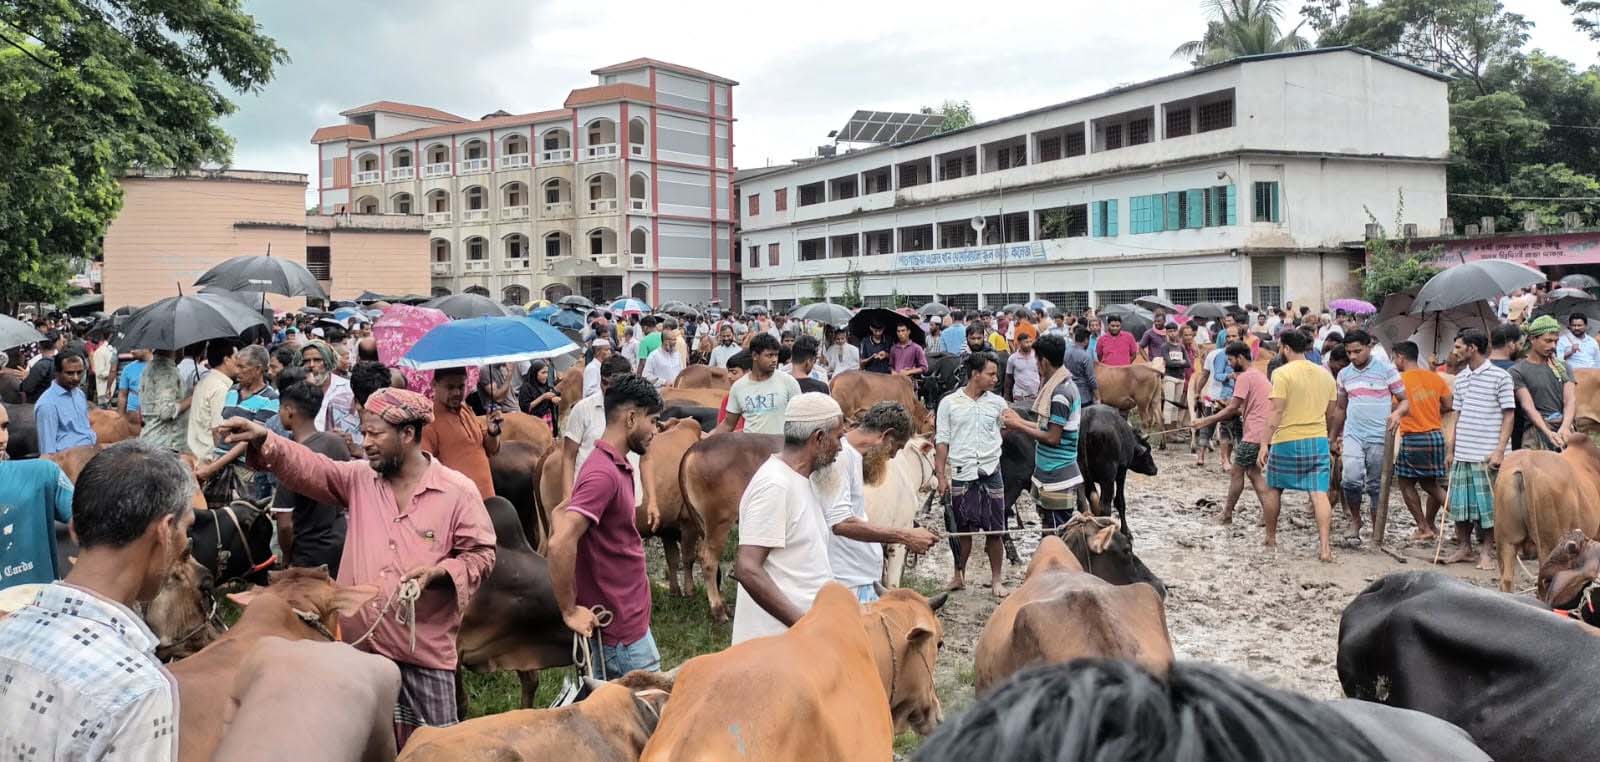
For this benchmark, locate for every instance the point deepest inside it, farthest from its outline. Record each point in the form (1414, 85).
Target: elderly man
(591, 372)
(841, 355)
(855, 549)
(251, 397)
(78, 663)
(415, 528)
(338, 413)
(62, 413)
(663, 365)
(783, 534)
(967, 440)
(455, 437)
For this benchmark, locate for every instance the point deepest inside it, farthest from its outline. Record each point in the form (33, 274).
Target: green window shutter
(1094, 219)
(1158, 214)
(1136, 214)
(1277, 214)
(1233, 205)
(1173, 220)
(1197, 208)
(1111, 217)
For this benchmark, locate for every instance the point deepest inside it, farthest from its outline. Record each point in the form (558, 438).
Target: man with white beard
(783, 534)
(855, 550)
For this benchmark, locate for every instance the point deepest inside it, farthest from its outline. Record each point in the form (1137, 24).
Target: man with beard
(596, 554)
(855, 549)
(410, 520)
(783, 536)
(455, 437)
(338, 413)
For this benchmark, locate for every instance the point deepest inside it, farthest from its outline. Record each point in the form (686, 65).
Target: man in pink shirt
(410, 518)
(596, 554)
(1117, 347)
(1250, 402)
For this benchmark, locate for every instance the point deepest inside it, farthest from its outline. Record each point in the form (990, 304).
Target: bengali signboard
(1534, 250)
(982, 256)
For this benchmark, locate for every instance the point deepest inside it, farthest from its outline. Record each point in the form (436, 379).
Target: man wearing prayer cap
(410, 519)
(783, 533)
(1546, 394)
(591, 372)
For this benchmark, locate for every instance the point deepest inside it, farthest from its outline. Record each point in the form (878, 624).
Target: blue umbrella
(486, 341)
(629, 304)
(544, 313)
(345, 313)
(564, 318)
(1041, 305)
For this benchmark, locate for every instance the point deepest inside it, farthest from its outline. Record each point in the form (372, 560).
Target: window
(1113, 137)
(1120, 296)
(875, 180)
(755, 204)
(1012, 229)
(772, 255)
(958, 164)
(402, 203)
(1067, 301)
(1103, 218)
(915, 173)
(1050, 148)
(475, 197)
(1139, 131)
(1216, 115)
(878, 242)
(840, 188)
(813, 249)
(966, 302)
(1000, 299)
(755, 256)
(477, 248)
(514, 195)
(1269, 294)
(1179, 121)
(812, 193)
(552, 192)
(1266, 207)
(1063, 222)
(845, 245)
(954, 235)
(1220, 205)
(552, 245)
(516, 247)
(1075, 144)
(780, 200)
(916, 238)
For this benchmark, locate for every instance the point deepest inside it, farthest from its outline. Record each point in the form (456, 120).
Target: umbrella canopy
(178, 321)
(567, 318)
(672, 305)
(1206, 311)
(1394, 304)
(274, 275)
(544, 313)
(368, 297)
(1580, 281)
(1563, 307)
(1571, 293)
(536, 304)
(1012, 309)
(1479, 280)
(822, 312)
(1135, 320)
(933, 308)
(402, 326)
(15, 333)
(1353, 306)
(686, 312)
(573, 300)
(1152, 301)
(626, 305)
(462, 306)
(1042, 305)
(84, 304)
(861, 324)
(486, 341)
(755, 309)
(1438, 330)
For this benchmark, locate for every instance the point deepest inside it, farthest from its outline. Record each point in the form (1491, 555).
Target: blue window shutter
(1094, 219)
(1197, 208)
(1111, 217)
(1135, 214)
(1277, 216)
(1173, 221)
(1233, 205)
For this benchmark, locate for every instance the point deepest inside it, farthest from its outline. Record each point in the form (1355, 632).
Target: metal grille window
(878, 242)
(1067, 301)
(782, 306)
(1139, 131)
(1120, 296)
(917, 300)
(916, 238)
(812, 194)
(954, 235)
(1218, 294)
(842, 187)
(1216, 115)
(1050, 148)
(845, 245)
(995, 301)
(1063, 222)
(875, 180)
(813, 249)
(1113, 137)
(878, 300)
(968, 302)
(1265, 205)
(1075, 144)
(1179, 121)
(1268, 295)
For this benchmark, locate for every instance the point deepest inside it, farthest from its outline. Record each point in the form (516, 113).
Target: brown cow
(521, 427)
(810, 692)
(206, 679)
(703, 377)
(658, 474)
(1569, 573)
(184, 613)
(1061, 613)
(611, 725)
(345, 711)
(1587, 415)
(857, 390)
(713, 476)
(570, 388)
(711, 398)
(1540, 495)
(516, 473)
(111, 426)
(1132, 387)
(73, 459)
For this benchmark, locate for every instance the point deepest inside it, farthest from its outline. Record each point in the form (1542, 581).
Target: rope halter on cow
(582, 656)
(403, 603)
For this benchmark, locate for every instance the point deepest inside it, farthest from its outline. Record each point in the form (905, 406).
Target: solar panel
(889, 126)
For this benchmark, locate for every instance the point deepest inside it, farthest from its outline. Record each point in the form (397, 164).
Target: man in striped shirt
(1483, 400)
(1362, 417)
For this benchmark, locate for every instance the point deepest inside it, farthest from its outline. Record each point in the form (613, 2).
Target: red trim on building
(711, 156)
(655, 196)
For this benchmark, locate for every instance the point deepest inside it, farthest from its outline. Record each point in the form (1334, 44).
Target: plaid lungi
(980, 504)
(427, 697)
(1472, 494)
(1421, 455)
(1300, 464)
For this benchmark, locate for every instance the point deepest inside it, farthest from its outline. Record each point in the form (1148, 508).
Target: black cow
(1107, 554)
(1404, 735)
(1503, 668)
(1109, 447)
(233, 542)
(24, 442)
(705, 416)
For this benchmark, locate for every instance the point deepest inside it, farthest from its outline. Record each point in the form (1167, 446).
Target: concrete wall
(388, 262)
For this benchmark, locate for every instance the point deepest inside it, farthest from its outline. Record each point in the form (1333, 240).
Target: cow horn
(592, 684)
(937, 602)
(877, 587)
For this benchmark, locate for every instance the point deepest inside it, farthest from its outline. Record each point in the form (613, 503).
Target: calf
(1568, 574)
(1060, 613)
(111, 427)
(1132, 388)
(233, 541)
(713, 476)
(1108, 448)
(184, 613)
(1540, 495)
(344, 711)
(1106, 553)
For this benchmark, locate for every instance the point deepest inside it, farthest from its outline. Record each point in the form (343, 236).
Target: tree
(957, 114)
(88, 90)
(852, 288)
(819, 291)
(1392, 267)
(1585, 16)
(1462, 38)
(1241, 28)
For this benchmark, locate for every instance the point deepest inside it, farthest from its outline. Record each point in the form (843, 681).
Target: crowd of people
(288, 415)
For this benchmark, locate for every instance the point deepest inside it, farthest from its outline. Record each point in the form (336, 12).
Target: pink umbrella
(400, 326)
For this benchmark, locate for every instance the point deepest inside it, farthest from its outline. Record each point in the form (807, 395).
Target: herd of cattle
(848, 677)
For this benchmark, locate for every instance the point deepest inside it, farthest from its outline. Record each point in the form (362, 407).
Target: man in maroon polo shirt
(596, 554)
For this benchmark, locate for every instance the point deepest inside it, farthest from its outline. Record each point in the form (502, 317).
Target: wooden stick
(1394, 554)
(1380, 521)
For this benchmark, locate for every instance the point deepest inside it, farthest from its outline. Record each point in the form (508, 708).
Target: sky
(803, 66)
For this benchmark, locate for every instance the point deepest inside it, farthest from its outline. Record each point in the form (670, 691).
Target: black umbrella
(176, 322)
(309, 310)
(1012, 309)
(84, 304)
(1580, 281)
(669, 306)
(460, 306)
(1573, 293)
(1474, 281)
(933, 308)
(1206, 311)
(861, 324)
(274, 275)
(683, 310)
(1151, 301)
(16, 333)
(1562, 307)
(822, 312)
(368, 297)
(1135, 320)
(573, 300)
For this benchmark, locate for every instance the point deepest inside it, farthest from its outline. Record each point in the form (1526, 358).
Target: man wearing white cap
(783, 534)
(591, 372)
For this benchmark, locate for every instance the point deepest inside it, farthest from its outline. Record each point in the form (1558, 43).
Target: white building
(625, 190)
(1236, 182)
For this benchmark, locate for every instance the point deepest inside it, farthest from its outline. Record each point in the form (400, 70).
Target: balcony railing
(636, 149)
(369, 177)
(515, 160)
(602, 205)
(513, 212)
(606, 260)
(437, 218)
(397, 174)
(477, 266)
(549, 264)
(473, 166)
(475, 215)
(441, 268)
(436, 170)
(516, 263)
(639, 204)
(558, 209)
(602, 151)
(641, 261)
(555, 155)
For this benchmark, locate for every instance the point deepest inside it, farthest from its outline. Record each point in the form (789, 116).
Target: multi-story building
(625, 190)
(1237, 182)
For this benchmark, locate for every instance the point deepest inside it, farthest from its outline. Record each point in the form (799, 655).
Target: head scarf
(1542, 325)
(400, 406)
(812, 407)
(330, 358)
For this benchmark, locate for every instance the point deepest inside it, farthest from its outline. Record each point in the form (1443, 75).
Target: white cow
(896, 495)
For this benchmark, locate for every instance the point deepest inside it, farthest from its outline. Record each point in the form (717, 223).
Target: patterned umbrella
(401, 327)
(1353, 306)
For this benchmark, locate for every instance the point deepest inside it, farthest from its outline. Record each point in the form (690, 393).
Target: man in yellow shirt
(1303, 397)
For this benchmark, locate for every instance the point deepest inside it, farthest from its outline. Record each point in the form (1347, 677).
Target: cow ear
(937, 602)
(347, 600)
(243, 598)
(917, 635)
(926, 446)
(1102, 539)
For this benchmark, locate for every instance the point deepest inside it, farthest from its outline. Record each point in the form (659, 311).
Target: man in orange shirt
(1422, 445)
(455, 436)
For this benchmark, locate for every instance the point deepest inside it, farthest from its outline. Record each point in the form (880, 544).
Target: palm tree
(1241, 28)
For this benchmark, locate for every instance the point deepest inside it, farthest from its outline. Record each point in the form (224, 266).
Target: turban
(1027, 329)
(600, 343)
(400, 406)
(1542, 325)
(812, 407)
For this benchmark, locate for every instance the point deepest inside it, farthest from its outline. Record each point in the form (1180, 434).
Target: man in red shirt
(455, 437)
(596, 555)
(1117, 347)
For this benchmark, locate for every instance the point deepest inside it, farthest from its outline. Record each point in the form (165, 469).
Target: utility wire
(29, 53)
(1525, 198)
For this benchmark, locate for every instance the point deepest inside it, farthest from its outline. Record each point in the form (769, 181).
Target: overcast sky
(803, 66)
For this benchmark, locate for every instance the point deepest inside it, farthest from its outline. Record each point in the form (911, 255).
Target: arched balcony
(438, 208)
(479, 290)
(440, 254)
(557, 198)
(477, 261)
(555, 146)
(637, 130)
(474, 158)
(366, 172)
(475, 204)
(437, 162)
(600, 140)
(638, 193)
(402, 203)
(639, 247)
(556, 246)
(367, 205)
(514, 152)
(402, 165)
(603, 246)
(516, 251)
(514, 295)
(514, 201)
(602, 193)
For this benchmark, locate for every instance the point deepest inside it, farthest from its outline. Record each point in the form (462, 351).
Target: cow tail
(1520, 490)
(690, 503)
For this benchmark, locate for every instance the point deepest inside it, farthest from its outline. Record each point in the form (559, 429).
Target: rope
(1024, 530)
(406, 595)
(582, 656)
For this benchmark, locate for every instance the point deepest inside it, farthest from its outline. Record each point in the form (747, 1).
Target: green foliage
(1585, 16)
(957, 114)
(898, 300)
(1241, 28)
(1392, 267)
(852, 288)
(89, 90)
(819, 291)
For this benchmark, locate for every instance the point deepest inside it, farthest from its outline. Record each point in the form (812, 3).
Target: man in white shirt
(1576, 347)
(841, 355)
(105, 372)
(664, 364)
(968, 463)
(586, 422)
(591, 372)
(783, 536)
(762, 395)
(855, 550)
(725, 347)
